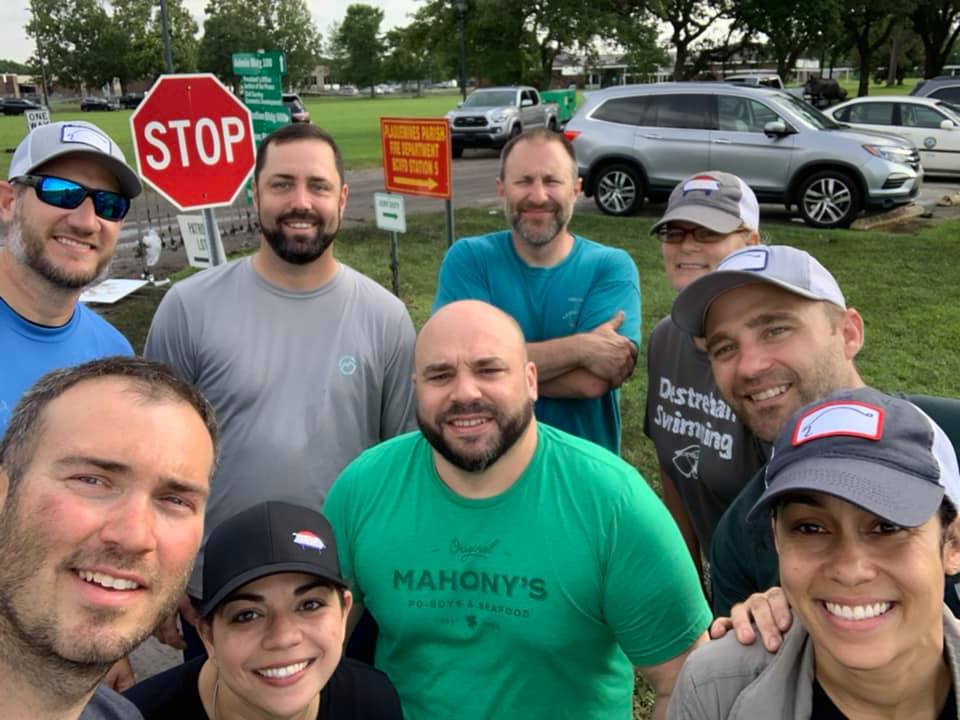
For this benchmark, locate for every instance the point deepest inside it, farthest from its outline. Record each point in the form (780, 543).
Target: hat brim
(896, 497)
(689, 311)
(207, 606)
(709, 217)
(130, 185)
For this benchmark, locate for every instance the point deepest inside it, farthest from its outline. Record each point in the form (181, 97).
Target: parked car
(755, 80)
(131, 100)
(298, 112)
(942, 87)
(95, 104)
(489, 117)
(933, 126)
(17, 106)
(639, 141)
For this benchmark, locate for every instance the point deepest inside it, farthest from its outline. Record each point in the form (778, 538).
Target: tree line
(506, 41)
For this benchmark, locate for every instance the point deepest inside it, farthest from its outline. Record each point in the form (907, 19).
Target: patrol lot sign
(416, 156)
(193, 140)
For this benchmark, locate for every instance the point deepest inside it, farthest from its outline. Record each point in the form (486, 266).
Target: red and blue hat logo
(307, 539)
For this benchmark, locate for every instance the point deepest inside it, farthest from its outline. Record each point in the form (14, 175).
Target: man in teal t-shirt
(577, 301)
(515, 570)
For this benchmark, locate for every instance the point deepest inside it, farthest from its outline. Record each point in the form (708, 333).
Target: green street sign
(261, 75)
(259, 63)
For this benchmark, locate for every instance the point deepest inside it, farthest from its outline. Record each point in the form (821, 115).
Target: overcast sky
(14, 14)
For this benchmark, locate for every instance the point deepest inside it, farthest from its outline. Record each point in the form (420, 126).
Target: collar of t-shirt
(824, 709)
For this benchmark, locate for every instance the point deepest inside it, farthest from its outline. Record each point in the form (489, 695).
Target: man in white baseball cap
(63, 204)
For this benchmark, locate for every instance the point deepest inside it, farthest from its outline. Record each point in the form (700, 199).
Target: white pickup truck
(489, 117)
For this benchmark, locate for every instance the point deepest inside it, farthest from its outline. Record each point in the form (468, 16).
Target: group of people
(291, 465)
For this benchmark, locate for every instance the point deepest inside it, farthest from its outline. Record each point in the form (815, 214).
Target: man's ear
(851, 326)
(8, 202)
(533, 388)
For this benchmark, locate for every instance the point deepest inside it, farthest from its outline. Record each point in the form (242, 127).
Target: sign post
(416, 159)
(193, 141)
(391, 215)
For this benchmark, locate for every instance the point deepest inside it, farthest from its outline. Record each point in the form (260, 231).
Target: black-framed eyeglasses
(67, 194)
(704, 236)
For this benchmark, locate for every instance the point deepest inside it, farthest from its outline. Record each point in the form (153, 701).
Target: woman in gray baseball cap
(274, 616)
(705, 454)
(862, 492)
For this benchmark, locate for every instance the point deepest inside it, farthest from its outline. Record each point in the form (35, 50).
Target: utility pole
(165, 25)
(43, 74)
(461, 13)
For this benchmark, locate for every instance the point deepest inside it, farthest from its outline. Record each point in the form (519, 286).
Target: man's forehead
(537, 156)
(762, 298)
(300, 157)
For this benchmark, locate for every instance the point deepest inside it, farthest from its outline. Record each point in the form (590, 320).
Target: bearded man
(68, 190)
(515, 570)
(577, 301)
(306, 361)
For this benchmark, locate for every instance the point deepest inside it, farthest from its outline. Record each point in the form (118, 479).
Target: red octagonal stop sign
(193, 140)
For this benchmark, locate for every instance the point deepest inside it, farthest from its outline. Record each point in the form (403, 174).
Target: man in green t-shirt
(514, 570)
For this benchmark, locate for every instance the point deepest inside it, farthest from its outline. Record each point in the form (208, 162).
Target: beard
(27, 247)
(827, 374)
(532, 234)
(511, 428)
(64, 662)
(301, 247)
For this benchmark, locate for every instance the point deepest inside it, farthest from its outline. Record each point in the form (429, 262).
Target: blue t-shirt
(583, 291)
(28, 350)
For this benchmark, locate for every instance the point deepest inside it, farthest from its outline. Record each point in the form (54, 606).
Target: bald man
(514, 570)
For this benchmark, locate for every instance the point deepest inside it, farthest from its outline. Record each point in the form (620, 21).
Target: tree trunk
(894, 56)
(681, 60)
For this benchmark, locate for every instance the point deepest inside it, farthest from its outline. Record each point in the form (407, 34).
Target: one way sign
(390, 212)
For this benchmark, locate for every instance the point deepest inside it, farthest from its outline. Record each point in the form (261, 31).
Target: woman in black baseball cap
(274, 616)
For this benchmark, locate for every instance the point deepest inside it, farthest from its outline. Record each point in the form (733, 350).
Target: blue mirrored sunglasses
(67, 194)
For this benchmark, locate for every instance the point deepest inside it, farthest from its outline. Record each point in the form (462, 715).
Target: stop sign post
(193, 140)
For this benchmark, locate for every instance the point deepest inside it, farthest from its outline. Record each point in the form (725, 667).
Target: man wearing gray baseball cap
(63, 204)
(778, 335)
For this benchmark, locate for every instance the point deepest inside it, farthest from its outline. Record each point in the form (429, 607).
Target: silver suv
(639, 141)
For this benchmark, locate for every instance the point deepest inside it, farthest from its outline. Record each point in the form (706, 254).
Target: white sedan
(932, 125)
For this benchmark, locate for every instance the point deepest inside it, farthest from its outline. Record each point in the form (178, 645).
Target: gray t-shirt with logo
(302, 382)
(701, 446)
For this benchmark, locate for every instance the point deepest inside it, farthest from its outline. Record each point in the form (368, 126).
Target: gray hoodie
(724, 680)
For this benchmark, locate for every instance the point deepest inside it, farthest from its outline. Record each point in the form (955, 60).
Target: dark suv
(18, 106)
(95, 104)
(638, 141)
(131, 100)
